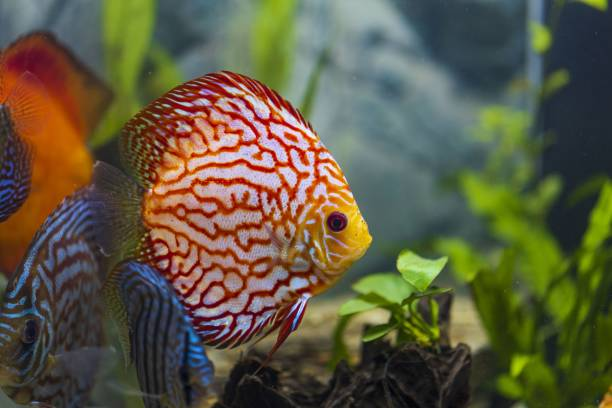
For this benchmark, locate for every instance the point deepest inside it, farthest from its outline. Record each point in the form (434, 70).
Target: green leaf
(486, 198)
(554, 82)
(507, 321)
(165, 73)
(339, 349)
(357, 305)
(312, 85)
(540, 384)
(599, 229)
(127, 27)
(602, 337)
(273, 41)
(113, 120)
(378, 331)
(561, 299)
(509, 387)
(541, 38)
(465, 261)
(601, 5)
(427, 293)
(388, 286)
(127, 32)
(417, 271)
(518, 364)
(586, 190)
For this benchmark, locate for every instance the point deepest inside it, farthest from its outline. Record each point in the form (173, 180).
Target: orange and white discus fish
(238, 204)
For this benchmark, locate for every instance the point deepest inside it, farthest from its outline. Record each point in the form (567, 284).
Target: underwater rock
(483, 41)
(409, 376)
(405, 376)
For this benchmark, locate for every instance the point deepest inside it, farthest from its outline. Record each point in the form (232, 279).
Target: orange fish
(237, 203)
(73, 103)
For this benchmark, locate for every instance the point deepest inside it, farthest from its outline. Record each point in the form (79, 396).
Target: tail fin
(120, 199)
(80, 93)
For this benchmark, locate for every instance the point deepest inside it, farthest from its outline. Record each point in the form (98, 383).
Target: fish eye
(30, 332)
(336, 221)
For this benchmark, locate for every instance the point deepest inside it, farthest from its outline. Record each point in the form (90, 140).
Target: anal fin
(291, 317)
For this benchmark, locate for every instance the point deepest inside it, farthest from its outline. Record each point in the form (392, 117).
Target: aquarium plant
(127, 61)
(399, 293)
(546, 312)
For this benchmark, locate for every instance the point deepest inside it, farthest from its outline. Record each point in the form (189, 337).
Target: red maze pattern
(236, 178)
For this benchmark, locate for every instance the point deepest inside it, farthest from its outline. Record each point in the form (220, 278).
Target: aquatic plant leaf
(508, 324)
(339, 348)
(358, 305)
(388, 286)
(599, 229)
(417, 271)
(114, 118)
(465, 261)
(601, 5)
(486, 198)
(165, 74)
(273, 41)
(127, 30)
(554, 82)
(539, 383)
(591, 187)
(546, 193)
(518, 363)
(312, 85)
(378, 331)
(541, 38)
(509, 387)
(561, 299)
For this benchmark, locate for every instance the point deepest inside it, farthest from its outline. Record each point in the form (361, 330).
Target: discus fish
(69, 101)
(171, 364)
(238, 204)
(21, 114)
(50, 318)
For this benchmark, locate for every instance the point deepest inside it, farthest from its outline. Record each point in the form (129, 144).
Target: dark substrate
(409, 376)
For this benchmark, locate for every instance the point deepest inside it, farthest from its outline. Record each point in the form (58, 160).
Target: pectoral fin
(118, 312)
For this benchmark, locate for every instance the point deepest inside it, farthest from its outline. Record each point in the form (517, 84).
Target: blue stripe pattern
(171, 363)
(15, 167)
(58, 286)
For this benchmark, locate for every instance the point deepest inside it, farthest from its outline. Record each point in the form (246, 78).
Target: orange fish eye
(337, 221)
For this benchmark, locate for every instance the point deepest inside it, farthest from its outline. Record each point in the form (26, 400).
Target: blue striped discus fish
(20, 114)
(171, 364)
(51, 314)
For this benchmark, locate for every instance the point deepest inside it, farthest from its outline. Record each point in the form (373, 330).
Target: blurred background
(398, 83)
(445, 115)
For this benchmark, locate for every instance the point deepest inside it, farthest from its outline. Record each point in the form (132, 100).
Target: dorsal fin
(79, 92)
(28, 102)
(156, 128)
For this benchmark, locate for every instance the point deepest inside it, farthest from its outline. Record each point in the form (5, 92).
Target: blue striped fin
(171, 363)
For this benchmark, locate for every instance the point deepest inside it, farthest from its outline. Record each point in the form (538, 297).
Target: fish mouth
(359, 253)
(362, 240)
